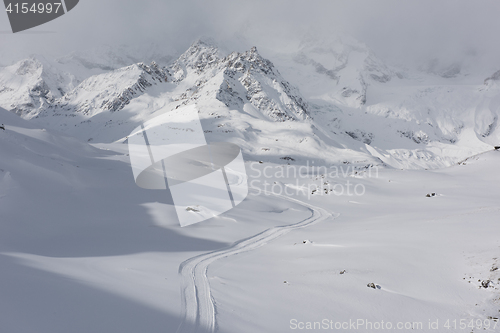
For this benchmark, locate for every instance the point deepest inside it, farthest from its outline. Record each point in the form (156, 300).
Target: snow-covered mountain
(350, 66)
(331, 101)
(407, 118)
(237, 79)
(108, 92)
(31, 84)
(238, 89)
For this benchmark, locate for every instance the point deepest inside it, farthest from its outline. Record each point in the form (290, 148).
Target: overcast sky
(395, 29)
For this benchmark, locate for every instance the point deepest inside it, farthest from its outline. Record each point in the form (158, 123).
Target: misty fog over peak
(403, 33)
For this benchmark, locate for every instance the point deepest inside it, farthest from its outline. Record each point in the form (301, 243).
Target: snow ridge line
(198, 304)
(474, 156)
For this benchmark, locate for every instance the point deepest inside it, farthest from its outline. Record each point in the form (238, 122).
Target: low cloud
(400, 31)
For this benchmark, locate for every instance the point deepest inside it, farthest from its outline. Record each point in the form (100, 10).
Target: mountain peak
(249, 78)
(28, 66)
(201, 54)
(110, 91)
(32, 83)
(344, 67)
(205, 41)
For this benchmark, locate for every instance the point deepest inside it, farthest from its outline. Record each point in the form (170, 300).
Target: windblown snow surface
(374, 196)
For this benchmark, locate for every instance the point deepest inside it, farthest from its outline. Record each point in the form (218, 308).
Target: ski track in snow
(198, 304)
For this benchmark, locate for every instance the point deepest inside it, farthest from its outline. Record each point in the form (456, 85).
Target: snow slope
(328, 126)
(427, 256)
(82, 248)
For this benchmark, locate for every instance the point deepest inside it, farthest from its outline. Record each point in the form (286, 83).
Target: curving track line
(198, 310)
